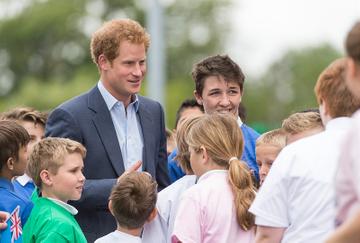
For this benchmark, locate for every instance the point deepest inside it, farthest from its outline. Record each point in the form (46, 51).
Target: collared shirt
(66, 206)
(207, 213)
(348, 174)
(118, 236)
(160, 229)
(248, 155)
(127, 126)
(298, 193)
(24, 185)
(9, 200)
(24, 179)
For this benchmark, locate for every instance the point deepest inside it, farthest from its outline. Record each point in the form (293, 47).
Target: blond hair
(183, 156)
(301, 122)
(276, 137)
(107, 39)
(222, 138)
(49, 154)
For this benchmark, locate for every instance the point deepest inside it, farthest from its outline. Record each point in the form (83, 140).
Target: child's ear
(10, 163)
(198, 98)
(110, 207)
(152, 215)
(46, 177)
(205, 156)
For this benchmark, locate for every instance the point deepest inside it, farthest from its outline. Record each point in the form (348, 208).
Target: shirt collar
(24, 179)
(66, 206)
(211, 173)
(130, 238)
(111, 100)
(338, 123)
(239, 121)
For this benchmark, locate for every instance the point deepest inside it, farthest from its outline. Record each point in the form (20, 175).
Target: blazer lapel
(146, 126)
(105, 129)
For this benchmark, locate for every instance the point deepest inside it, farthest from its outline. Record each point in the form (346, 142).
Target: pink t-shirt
(207, 213)
(348, 174)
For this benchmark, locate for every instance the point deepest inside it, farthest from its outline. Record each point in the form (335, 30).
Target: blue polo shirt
(249, 156)
(10, 200)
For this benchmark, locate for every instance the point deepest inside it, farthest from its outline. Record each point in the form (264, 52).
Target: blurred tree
(45, 45)
(288, 85)
(49, 39)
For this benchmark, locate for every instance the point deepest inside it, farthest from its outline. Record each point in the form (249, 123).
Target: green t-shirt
(49, 222)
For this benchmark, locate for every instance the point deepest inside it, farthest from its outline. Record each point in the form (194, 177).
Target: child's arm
(187, 222)
(265, 234)
(348, 232)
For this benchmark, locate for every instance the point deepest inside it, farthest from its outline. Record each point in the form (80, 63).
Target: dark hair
(188, 103)
(12, 138)
(25, 114)
(352, 43)
(219, 65)
(133, 199)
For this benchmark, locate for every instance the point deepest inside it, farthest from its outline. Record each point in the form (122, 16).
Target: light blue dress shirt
(127, 126)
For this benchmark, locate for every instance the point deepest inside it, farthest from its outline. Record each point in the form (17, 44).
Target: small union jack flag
(15, 228)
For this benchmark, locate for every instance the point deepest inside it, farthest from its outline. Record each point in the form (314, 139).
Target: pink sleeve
(187, 222)
(347, 178)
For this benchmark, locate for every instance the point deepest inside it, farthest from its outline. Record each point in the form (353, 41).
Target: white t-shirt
(160, 229)
(118, 237)
(298, 193)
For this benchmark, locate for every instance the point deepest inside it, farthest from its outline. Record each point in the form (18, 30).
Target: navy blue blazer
(86, 119)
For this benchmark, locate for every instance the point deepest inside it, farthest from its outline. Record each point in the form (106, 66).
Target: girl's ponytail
(244, 192)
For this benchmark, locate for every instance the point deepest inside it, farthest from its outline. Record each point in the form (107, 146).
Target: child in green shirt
(55, 165)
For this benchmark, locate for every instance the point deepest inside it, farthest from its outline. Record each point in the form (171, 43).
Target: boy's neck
(49, 194)
(6, 174)
(134, 232)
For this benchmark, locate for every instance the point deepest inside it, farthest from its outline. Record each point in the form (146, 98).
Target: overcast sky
(265, 29)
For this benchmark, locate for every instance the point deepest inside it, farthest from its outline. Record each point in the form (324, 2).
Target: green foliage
(288, 85)
(44, 54)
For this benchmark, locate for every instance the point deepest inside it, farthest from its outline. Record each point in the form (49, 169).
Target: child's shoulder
(52, 214)
(10, 199)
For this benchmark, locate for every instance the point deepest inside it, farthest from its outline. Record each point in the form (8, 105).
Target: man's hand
(133, 168)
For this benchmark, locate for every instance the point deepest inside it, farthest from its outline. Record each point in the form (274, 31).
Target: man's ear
(152, 215)
(198, 98)
(46, 177)
(103, 62)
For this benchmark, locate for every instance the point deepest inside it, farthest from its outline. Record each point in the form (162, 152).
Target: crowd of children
(297, 183)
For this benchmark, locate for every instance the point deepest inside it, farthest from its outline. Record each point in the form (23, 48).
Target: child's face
(265, 156)
(67, 183)
(196, 161)
(36, 132)
(21, 162)
(220, 96)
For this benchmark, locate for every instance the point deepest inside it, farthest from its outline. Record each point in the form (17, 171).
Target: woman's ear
(46, 177)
